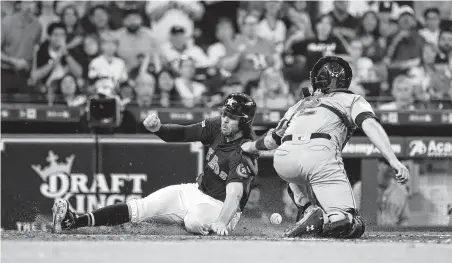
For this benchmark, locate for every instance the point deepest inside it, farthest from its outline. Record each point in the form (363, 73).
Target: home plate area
(157, 243)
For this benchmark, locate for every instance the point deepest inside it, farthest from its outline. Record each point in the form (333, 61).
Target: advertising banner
(429, 147)
(90, 172)
(62, 113)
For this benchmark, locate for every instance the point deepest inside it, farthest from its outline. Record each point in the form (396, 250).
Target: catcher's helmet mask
(331, 74)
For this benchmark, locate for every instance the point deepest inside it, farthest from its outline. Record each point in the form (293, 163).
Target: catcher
(215, 203)
(309, 140)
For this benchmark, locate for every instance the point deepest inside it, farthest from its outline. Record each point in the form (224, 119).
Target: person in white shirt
(165, 15)
(225, 34)
(190, 92)
(432, 21)
(271, 28)
(179, 45)
(107, 65)
(403, 92)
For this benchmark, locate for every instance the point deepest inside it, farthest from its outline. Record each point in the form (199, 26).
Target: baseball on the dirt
(275, 219)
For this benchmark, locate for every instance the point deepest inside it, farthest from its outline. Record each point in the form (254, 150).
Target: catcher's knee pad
(136, 209)
(344, 224)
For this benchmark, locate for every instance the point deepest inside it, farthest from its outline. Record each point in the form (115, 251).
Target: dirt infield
(171, 244)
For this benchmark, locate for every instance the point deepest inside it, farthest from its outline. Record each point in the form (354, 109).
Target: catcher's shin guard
(310, 224)
(358, 227)
(344, 228)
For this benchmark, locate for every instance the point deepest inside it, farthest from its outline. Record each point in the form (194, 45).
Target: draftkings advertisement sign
(36, 171)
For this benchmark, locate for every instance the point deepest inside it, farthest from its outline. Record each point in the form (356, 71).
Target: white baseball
(275, 219)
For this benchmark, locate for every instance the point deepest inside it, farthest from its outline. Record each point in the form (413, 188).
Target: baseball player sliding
(215, 203)
(309, 140)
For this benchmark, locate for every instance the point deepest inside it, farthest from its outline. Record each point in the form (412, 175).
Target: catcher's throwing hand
(402, 173)
(219, 228)
(152, 122)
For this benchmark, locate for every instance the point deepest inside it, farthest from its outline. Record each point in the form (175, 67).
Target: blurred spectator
(53, 59)
(167, 92)
(433, 79)
(271, 27)
(47, 16)
(98, 20)
(307, 53)
(190, 92)
(87, 52)
(363, 69)
(344, 23)
(405, 48)
(165, 15)
(369, 35)
(145, 89)
(216, 96)
(69, 92)
(225, 33)
(403, 93)
(300, 24)
(20, 33)
(445, 47)
(392, 197)
(107, 64)
(135, 40)
(180, 45)
(70, 18)
(251, 54)
(431, 31)
(214, 12)
(104, 87)
(127, 93)
(117, 9)
(272, 92)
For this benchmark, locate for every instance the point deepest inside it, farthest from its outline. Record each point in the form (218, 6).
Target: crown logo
(54, 167)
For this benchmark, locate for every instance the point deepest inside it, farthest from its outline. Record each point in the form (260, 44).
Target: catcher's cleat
(311, 223)
(63, 217)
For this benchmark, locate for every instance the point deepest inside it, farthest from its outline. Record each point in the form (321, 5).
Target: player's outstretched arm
(203, 131)
(234, 193)
(377, 135)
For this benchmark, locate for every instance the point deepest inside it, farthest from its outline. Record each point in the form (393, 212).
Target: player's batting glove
(402, 173)
(152, 123)
(219, 228)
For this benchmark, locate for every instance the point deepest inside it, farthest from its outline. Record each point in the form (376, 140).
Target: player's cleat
(311, 223)
(63, 217)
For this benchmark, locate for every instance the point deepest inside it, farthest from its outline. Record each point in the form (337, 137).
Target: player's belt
(316, 135)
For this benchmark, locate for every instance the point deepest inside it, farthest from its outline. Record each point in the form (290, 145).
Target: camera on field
(104, 107)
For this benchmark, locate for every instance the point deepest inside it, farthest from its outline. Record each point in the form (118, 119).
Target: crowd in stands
(190, 54)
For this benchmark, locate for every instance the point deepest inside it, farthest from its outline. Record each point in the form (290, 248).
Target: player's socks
(107, 216)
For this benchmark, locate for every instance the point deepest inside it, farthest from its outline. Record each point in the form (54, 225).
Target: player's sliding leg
(64, 218)
(164, 205)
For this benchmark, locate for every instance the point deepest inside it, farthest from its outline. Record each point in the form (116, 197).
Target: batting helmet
(241, 105)
(331, 70)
